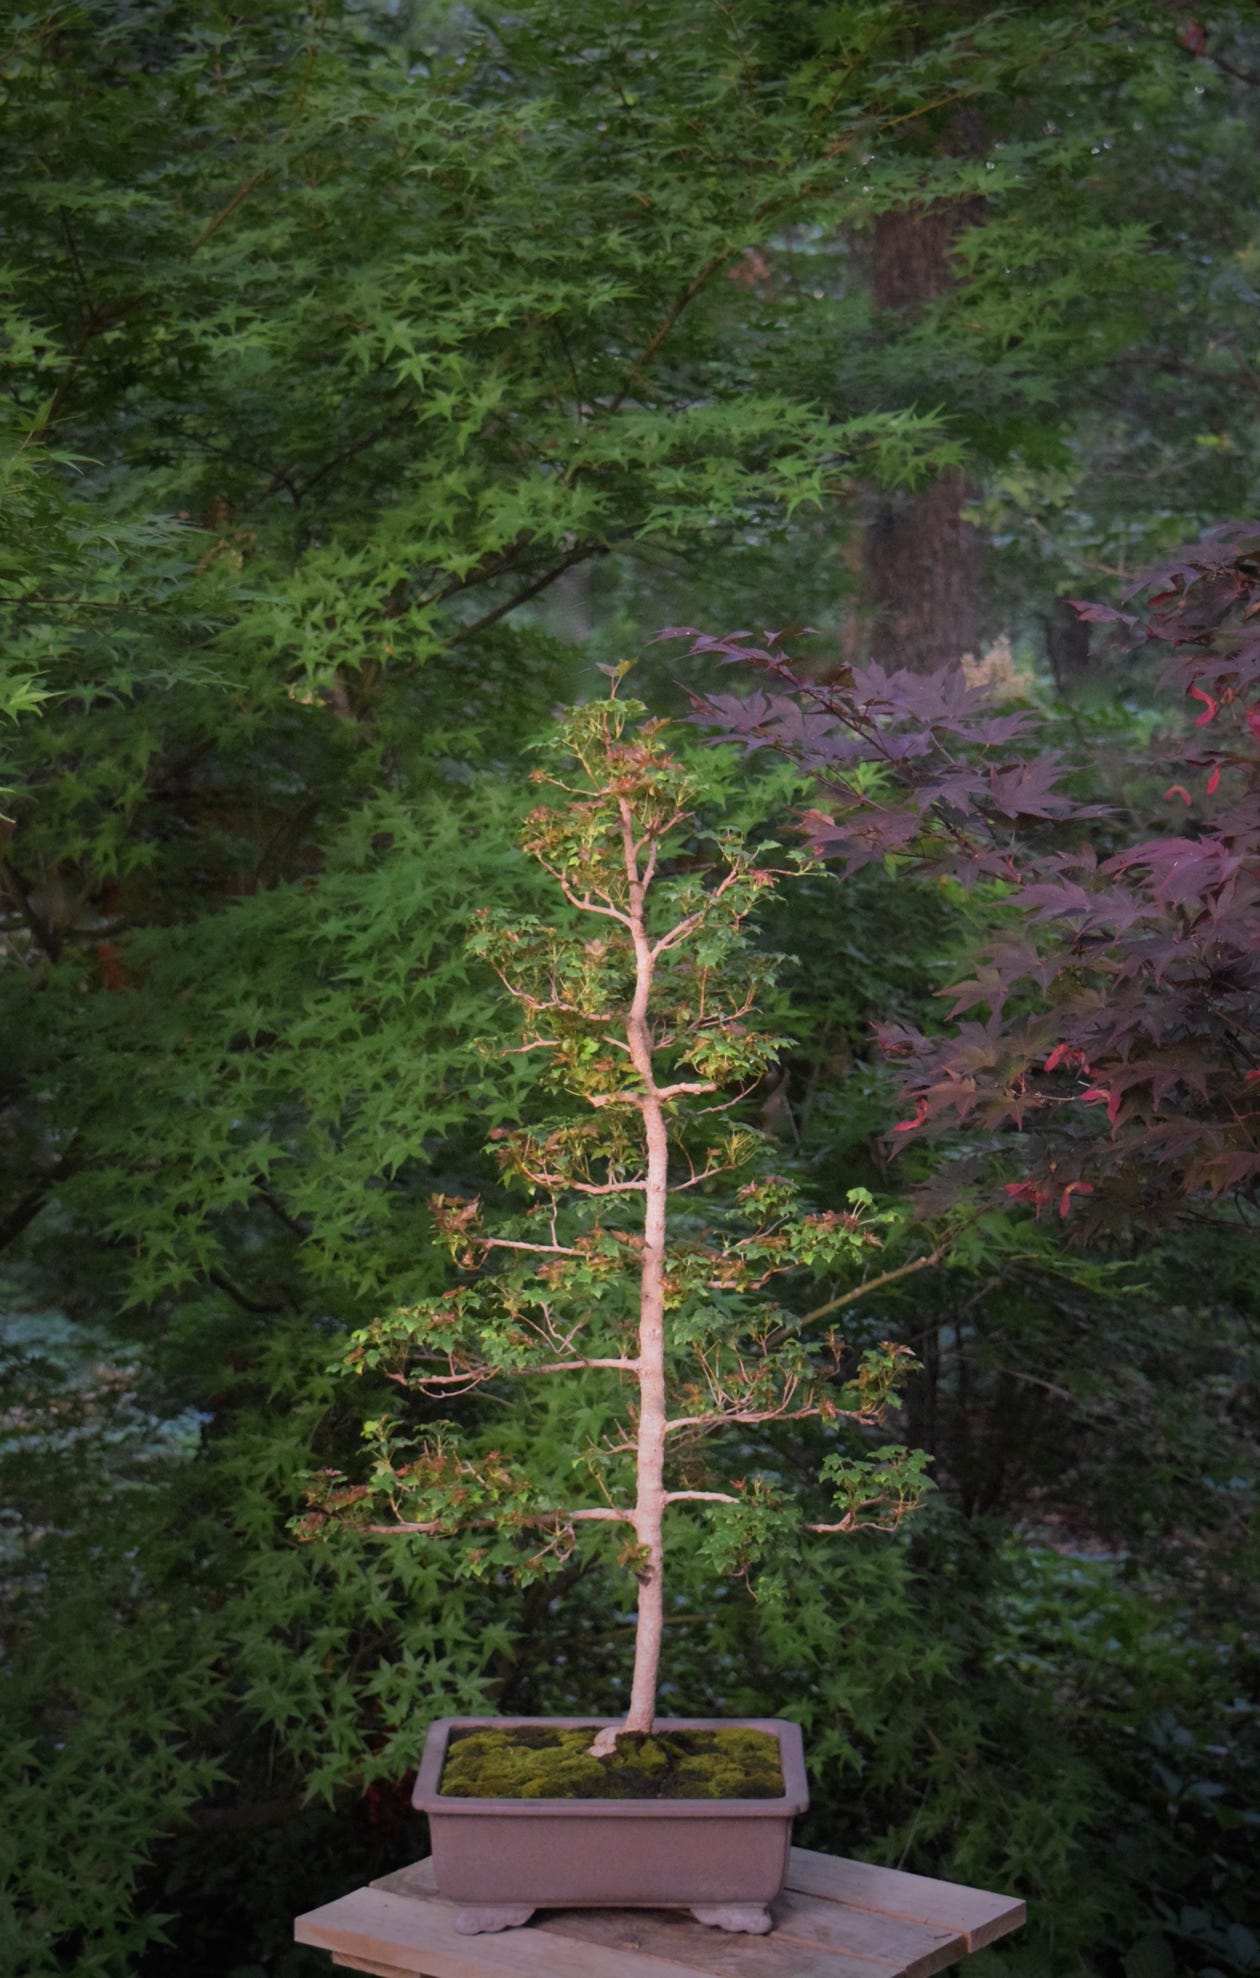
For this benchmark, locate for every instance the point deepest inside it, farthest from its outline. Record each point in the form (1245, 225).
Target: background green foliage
(372, 370)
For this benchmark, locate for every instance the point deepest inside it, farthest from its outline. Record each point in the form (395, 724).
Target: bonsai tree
(653, 1232)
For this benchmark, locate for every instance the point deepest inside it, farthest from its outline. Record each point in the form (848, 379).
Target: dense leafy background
(373, 371)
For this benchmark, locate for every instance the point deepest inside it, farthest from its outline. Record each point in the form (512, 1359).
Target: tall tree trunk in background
(922, 562)
(1067, 647)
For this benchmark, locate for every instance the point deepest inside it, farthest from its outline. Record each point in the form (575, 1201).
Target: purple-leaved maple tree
(1105, 1053)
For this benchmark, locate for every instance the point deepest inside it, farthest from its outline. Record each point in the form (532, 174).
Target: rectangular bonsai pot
(566, 1853)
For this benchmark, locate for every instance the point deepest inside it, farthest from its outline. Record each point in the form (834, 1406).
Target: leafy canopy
(640, 997)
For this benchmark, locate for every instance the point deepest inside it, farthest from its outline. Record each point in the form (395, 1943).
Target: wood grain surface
(835, 1919)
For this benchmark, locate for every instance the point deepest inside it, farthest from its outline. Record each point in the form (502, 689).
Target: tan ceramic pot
(500, 1859)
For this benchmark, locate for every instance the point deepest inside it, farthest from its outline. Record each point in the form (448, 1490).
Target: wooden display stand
(834, 1919)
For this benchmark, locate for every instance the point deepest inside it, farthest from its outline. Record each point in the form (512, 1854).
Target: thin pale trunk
(649, 1507)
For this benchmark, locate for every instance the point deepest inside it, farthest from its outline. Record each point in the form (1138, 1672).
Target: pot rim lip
(794, 1799)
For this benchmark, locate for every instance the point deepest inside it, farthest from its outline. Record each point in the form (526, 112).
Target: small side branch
(546, 1249)
(579, 1366)
(871, 1284)
(466, 1380)
(750, 1417)
(242, 1298)
(585, 904)
(432, 1527)
(700, 1497)
(680, 932)
(225, 213)
(460, 1383)
(637, 369)
(606, 1187)
(853, 1521)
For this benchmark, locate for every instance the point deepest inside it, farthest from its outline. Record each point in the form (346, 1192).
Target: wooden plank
(978, 1915)
(376, 1970)
(377, 1927)
(648, 1934)
(856, 1940)
(417, 1879)
(890, 1945)
(836, 1919)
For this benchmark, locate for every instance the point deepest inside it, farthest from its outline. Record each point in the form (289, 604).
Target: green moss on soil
(536, 1761)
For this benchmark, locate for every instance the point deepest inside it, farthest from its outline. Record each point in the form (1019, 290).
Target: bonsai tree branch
(431, 1527)
(865, 1289)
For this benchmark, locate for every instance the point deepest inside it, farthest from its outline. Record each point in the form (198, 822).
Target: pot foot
(751, 1917)
(471, 1921)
